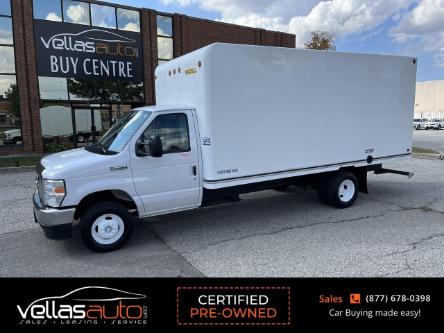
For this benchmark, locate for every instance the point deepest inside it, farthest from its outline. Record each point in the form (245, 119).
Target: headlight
(54, 192)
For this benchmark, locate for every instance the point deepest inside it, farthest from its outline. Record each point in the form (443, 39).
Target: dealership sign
(84, 52)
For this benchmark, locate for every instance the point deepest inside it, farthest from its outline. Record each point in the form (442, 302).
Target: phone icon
(355, 298)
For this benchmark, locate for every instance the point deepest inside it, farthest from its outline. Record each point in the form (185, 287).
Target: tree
(12, 95)
(321, 40)
(105, 91)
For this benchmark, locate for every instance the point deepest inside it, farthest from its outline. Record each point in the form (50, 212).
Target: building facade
(69, 69)
(429, 101)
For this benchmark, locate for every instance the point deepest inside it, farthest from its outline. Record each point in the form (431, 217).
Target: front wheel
(342, 189)
(106, 226)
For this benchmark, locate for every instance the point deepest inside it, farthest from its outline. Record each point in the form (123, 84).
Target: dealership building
(69, 69)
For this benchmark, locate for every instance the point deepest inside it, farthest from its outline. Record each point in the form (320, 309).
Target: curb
(429, 156)
(17, 169)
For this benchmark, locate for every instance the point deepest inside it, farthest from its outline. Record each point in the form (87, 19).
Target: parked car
(12, 136)
(434, 124)
(419, 123)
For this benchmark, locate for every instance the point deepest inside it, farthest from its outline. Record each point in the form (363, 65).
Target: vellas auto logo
(93, 41)
(91, 305)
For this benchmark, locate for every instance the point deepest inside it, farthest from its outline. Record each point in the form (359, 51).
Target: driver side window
(172, 130)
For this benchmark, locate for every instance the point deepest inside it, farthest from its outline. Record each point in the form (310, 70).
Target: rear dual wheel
(339, 189)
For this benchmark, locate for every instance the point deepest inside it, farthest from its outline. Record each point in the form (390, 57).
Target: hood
(12, 131)
(77, 163)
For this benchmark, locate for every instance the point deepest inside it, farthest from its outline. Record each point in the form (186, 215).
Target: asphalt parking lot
(396, 230)
(429, 139)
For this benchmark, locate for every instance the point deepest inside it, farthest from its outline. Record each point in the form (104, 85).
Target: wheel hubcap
(107, 229)
(346, 190)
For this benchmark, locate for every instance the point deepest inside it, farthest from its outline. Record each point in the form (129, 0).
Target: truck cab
(147, 164)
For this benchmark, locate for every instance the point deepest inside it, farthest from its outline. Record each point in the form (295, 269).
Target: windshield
(116, 138)
(435, 120)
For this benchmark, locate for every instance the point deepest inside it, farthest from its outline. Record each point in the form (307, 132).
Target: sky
(400, 27)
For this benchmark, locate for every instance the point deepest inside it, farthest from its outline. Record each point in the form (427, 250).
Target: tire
(322, 189)
(80, 139)
(16, 140)
(439, 127)
(418, 128)
(105, 215)
(342, 189)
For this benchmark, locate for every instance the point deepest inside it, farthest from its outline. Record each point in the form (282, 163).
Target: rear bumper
(56, 223)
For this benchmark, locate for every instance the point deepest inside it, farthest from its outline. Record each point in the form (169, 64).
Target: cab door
(171, 182)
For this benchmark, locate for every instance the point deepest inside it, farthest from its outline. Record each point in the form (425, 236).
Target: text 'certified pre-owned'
(267, 306)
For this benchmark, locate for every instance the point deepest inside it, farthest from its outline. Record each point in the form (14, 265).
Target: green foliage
(12, 94)
(321, 40)
(114, 91)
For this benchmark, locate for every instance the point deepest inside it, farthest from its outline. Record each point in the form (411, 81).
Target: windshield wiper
(99, 148)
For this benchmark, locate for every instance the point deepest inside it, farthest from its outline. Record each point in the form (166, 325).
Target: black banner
(85, 52)
(224, 305)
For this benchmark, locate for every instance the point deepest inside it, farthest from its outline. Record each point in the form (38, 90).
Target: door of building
(89, 123)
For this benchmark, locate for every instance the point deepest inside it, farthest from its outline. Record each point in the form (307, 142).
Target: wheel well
(361, 175)
(109, 195)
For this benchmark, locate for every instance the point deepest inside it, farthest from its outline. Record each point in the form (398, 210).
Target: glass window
(128, 20)
(105, 90)
(57, 129)
(165, 48)
(76, 12)
(123, 130)
(103, 16)
(50, 10)
(82, 90)
(5, 7)
(164, 26)
(53, 88)
(7, 82)
(10, 127)
(7, 59)
(172, 130)
(6, 31)
(165, 41)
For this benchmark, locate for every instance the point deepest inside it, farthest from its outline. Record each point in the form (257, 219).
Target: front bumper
(56, 223)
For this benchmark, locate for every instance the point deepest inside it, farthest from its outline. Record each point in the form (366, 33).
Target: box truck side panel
(56, 121)
(267, 110)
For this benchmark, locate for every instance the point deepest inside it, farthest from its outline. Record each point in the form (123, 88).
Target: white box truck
(233, 119)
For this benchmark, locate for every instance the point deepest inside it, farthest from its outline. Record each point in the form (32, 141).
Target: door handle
(194, 170)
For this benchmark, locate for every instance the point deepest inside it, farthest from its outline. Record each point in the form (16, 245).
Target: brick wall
(192, 33)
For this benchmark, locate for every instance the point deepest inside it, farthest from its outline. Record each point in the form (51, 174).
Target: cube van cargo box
(229, 120)
(268, 110)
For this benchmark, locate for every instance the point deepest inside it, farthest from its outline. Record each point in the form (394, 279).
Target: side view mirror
(141, 149)
(154, 146)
